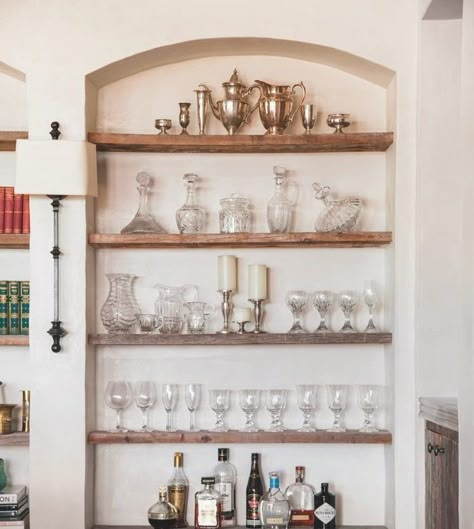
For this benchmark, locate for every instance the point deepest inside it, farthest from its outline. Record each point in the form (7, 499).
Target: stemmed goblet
(118, 396)
(145, 396)
(296, 301)
(370, 296)
(249, 400)
(347, 302)
(306, 400)
(337, 397)
(275, 404)
(192, 396)
(169, 396)
(369, 402)
(220, 402)
(323, 300)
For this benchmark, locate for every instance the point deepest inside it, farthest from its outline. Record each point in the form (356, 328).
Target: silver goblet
(163, 125)
(308, 117)
(184, 116)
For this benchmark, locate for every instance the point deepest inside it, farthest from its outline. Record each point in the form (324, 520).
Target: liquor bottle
(162, 514)
(274, 507)
(254, 494)
(226, 477)
(301, 498)
(325, 509)
(207, 506)
(178, 487)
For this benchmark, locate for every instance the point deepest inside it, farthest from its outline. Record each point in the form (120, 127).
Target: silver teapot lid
(234, 80)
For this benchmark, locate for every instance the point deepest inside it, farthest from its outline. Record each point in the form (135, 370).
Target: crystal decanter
(190, 217)
(143, 222)
(339, 215)
(279, 209)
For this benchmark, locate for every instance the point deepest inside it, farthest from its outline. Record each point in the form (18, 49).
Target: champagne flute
(370, 296)
(306, 400)
(220, 402)
(145, 397)
(118, 396)
(192, 397)
(369, 402)
(249, 400)
(169, 395)
(337, 396)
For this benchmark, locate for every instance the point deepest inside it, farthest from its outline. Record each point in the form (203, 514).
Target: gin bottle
(301, 498)
(226, 477)
(325, 509)
(274, 507)
(279, 207)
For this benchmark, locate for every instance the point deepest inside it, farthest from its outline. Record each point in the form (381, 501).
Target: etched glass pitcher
(169, 306)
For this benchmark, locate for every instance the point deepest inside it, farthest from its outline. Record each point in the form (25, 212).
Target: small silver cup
(308, 117)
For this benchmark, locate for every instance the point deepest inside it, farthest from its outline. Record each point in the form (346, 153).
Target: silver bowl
(339, 122)
(163, 125)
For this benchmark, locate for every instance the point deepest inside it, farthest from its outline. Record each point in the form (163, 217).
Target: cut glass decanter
(339, 215)
(279, 207)
(190, 217)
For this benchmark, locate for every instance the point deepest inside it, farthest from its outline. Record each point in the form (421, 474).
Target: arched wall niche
(13, 94)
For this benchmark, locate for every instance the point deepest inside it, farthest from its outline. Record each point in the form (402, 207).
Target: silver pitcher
(276, 105)
(233, 111)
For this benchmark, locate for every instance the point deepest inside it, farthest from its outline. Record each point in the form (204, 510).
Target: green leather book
(14, 307)
(3, 307)
(24, 307)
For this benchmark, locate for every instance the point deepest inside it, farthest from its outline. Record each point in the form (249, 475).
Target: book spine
(17, 213)
(8, 222)
(3, 307)
(10, 498)
(25, 223)
(24, 307)
(21, 524)
(13, 307)
(2, 210)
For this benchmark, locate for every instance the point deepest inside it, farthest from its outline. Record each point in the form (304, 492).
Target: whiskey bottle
(325, 509)
(226, 477)
(178, 487)
(207, 506)
(301, 498)
(254, 494)
(162, 515)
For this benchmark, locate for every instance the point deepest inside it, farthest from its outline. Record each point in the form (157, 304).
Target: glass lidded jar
(190, 217)
(279, 208)
(234, 216)
(162, 514)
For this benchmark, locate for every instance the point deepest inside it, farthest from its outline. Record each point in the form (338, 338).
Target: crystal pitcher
(169, 306)
(119, 311)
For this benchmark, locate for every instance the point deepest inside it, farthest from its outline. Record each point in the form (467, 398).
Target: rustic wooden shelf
(234, 436)
(348, 142)
(242, 339)
(14, 339)
(237, 527)
(357, 239)
(15, 439)
(8, 139)
(14, 241)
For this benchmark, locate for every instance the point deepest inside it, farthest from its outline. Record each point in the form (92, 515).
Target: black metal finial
(56, 332)
(55, 130)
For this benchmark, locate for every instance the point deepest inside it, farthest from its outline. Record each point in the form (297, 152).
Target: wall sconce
(56, 169)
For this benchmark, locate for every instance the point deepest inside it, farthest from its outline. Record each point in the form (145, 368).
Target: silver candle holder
(258, 314)
(226, 306)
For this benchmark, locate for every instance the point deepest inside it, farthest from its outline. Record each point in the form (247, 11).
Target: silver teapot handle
(302, 86)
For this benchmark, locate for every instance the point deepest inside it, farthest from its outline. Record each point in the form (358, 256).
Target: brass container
(6, 418)
(25, 410)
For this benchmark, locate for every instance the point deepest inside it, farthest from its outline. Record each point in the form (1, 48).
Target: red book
(25, 225)
(8, 223)
(17, 213)
(2, 210)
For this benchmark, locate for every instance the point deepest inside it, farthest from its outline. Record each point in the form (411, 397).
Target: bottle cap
(255, 455)
(178, 459)
(324, 486)
(223, 454)
(274, 480)
(208, 481)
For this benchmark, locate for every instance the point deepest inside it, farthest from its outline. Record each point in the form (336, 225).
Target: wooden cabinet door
(441, 472)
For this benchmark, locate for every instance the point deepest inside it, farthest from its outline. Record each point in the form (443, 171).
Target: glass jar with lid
(234, 216)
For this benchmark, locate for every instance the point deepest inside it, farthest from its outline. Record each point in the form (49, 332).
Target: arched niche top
(12, 72)
(197, 49)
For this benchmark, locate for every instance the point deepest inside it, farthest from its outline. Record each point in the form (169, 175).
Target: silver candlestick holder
(226, 306)
(258, 314)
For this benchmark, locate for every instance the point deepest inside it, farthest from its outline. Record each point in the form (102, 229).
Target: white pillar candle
(257, 282)
(227, 272)
(242, 314)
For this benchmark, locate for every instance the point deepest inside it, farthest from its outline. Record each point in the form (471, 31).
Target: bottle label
(253, 515)
(177, 496)
(274, 521)
(225, 489)
(302, 517)
(325, 513)
(207, 513)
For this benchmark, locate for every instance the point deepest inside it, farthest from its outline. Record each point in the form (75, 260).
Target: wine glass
(249, 400)
(145, 396)
(275, 404)
(369, 402)
(323, 300)
(192, 396)
(118, 396)
(370, 296)
(337, 396)
(220, 402)
(169, 396)
(296, 301)
(347, 302)
(306, 400)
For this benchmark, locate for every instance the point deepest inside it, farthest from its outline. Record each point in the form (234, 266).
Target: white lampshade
(56, 167)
